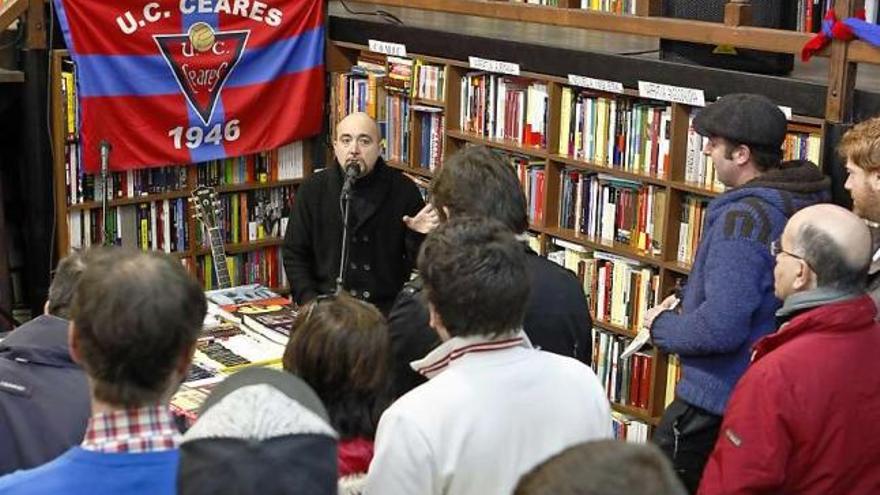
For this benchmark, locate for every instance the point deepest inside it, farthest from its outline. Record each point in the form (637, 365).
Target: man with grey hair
(805, 417)
(44, 397)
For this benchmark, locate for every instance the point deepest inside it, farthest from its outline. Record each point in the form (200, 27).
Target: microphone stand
(351, 171)
(105, 165)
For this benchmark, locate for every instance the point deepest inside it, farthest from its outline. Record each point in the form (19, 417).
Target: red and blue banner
(181, 81)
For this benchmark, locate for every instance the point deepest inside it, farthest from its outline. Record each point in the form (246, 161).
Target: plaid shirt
(147, 429)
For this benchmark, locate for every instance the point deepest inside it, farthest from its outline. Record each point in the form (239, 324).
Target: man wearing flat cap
(728, 302)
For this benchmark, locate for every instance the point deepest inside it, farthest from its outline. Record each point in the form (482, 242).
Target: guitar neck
(219, 256)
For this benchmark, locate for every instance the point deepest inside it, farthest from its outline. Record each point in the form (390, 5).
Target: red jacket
(805, 418)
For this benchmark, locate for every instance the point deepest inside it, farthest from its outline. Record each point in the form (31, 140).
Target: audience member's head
(357, 142)
(477, 181)
(860, 147)
(605, 467)
(475, 278)
(260, 432)
(135, 319)
(822, 246)
(64, 282)
(339, 346)
(745, 133)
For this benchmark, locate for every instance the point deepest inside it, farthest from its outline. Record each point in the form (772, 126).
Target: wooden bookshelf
(669, 180)
(194, 251)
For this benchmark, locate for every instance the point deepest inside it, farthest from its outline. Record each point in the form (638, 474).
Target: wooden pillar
(649, 8)
(841, 72)
(36, 25)
(738, 13)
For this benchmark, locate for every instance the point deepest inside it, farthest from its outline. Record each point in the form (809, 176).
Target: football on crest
(201, 36)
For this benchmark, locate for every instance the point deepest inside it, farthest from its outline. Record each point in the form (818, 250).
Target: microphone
(351, 174)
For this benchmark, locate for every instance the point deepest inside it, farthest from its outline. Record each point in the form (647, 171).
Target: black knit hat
(261, 432)
(746, 118)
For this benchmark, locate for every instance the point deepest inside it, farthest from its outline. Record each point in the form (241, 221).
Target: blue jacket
(83, 472)
(728, 302)
(44, 396)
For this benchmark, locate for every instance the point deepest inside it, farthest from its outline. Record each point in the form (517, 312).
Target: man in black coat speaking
(387, 222)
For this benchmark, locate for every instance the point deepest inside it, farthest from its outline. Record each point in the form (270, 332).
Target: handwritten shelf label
(675, 94)
(597, 84)
(388, 48)
(494, 66)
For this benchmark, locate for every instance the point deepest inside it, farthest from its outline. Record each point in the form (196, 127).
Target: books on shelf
(673, 375)
(618, 132)
(629, 429)
(627, 381)
(532, 175)
(250, 216)
(611, 6)
(153, 225)
(263, 266)
(802, 146)
(429, 81)
(397, 129)
(690, 229)
(504, 107)
(284, 163)
(430, 123)
(619, 290)
(699, 168)
(610, 209)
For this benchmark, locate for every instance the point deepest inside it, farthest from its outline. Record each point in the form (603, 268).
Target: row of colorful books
(690, 229)
(263, 266)
(532, 176)
(629, 429)
(154, 225)
(619, 290)
(627, 381)
(284, 163)
(618, 132)
(504, 107)
(252, 215)
(431, 135)
(610, 209)
(429, 81)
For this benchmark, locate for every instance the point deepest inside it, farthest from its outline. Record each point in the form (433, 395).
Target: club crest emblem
(202, 60)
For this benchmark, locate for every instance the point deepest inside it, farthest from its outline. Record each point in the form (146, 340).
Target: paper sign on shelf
(598, 84)
(494, 66)
(388, 48)
(675, 94)
(786, 111)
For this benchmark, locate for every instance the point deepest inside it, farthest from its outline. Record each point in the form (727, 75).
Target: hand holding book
(644, 334)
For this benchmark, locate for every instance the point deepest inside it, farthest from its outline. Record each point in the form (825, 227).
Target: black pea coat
(382, 248)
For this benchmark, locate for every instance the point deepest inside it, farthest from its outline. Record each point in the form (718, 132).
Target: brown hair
(861, 144)
(605, 467)
(135, 315)
(477, 181)
(64, 282)
(340, 347)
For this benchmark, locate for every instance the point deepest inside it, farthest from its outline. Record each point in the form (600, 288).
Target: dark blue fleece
(728, 302)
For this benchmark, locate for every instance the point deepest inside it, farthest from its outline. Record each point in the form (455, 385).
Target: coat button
(365, 238)
(366, 267)
(366, 294)
(353, 293)
(353, 266)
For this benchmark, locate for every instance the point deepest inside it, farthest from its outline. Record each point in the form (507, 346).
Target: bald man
(387, 222)
(805, 417)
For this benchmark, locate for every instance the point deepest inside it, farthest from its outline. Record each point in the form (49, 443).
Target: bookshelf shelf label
(786, 111)
(597, 84)
(388, 48)
(675, 94)
(494, 66)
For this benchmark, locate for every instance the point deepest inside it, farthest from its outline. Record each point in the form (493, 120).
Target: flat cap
(745, 118)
